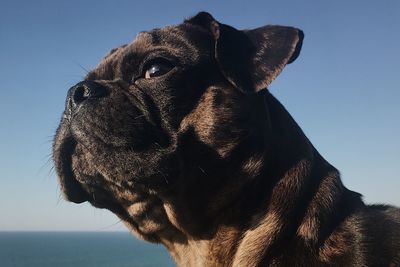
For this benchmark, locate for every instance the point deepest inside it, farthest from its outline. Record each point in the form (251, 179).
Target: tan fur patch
(335, 246)
(255, 241)
(327, 194)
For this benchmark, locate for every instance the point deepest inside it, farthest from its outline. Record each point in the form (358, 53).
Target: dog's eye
(156, 69)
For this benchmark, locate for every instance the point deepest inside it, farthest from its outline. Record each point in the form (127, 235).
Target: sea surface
(79, 249)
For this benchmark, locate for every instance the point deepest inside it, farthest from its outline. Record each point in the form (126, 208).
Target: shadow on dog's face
(168, 123)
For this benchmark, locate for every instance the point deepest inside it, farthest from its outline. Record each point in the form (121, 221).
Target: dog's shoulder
(378, 227)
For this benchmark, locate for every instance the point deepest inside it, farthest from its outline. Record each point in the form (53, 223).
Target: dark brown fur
(204, 160)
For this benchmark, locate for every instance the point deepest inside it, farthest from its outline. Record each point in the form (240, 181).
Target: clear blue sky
(344, 89)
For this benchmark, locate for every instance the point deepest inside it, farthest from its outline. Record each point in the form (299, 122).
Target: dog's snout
(82, 92)
(86, 90)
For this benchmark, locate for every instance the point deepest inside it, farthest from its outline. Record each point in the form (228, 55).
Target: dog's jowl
(177, 134)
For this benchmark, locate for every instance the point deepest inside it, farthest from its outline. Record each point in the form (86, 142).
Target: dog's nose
(86, 90)
(82, 92)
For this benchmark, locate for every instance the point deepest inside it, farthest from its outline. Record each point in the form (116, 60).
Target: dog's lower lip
(70, 187)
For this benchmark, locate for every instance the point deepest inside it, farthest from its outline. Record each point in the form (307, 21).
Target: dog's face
(170, 123)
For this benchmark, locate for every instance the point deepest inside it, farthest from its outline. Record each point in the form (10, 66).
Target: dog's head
(164, 131)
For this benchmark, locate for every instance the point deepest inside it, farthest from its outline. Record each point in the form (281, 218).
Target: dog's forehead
(183, 38)
(143, 41)
(183, 41)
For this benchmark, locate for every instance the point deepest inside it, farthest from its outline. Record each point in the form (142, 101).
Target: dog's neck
(291, 184)
(305, 201)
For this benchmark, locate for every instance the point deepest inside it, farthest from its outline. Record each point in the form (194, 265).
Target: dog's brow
(140, 54)
(143, 35)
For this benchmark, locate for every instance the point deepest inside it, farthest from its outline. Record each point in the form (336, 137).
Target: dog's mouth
(63, 148)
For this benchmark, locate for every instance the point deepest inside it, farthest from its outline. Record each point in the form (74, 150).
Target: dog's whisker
(201, 169)
(82, 67)
(138, 117)
(164, 176)
(45, 165)
(60, 197)
(157, 144)
(107, 227)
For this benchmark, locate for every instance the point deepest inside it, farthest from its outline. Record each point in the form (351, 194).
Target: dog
(177, 134)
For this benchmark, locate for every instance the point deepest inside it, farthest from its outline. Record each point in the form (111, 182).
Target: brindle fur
(207, 162)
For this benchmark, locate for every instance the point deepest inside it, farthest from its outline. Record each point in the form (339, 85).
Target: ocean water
(79, 249)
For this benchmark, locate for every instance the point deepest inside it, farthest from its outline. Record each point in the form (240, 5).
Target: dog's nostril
(84, 91)
(80, 94)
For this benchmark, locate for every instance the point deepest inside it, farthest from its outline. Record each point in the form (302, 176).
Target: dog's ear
(251, 59)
